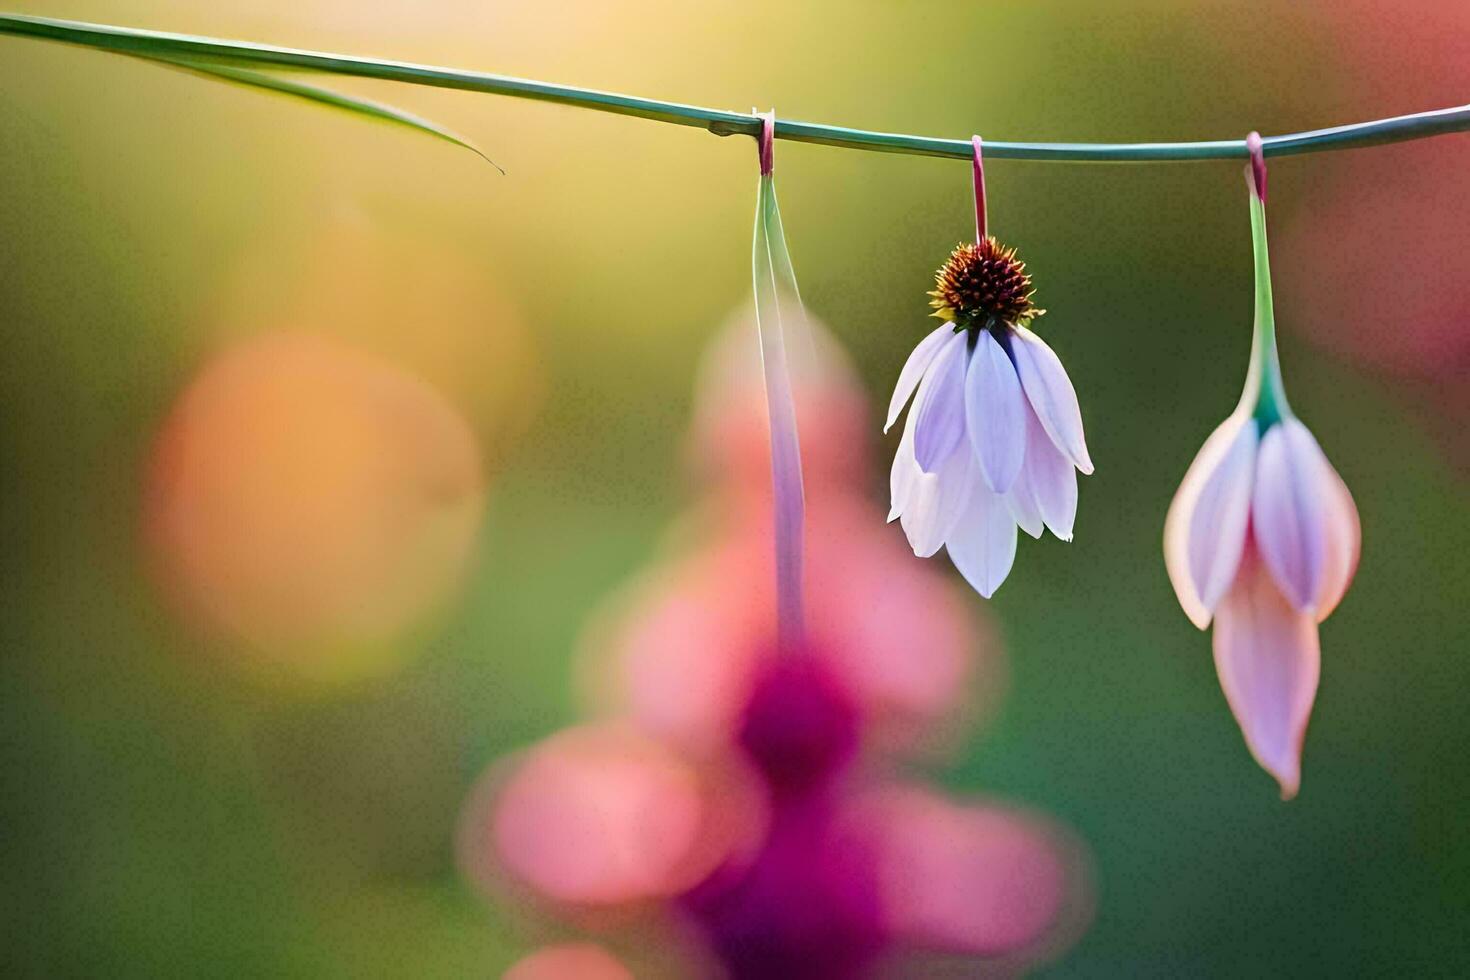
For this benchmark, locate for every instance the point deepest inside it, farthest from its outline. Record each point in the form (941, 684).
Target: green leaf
(778, 312)
(311, 93)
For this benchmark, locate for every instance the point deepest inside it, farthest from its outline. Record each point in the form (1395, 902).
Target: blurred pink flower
(679, 651)
(739, 798)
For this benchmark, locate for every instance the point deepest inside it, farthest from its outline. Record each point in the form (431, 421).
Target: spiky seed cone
(984, 285)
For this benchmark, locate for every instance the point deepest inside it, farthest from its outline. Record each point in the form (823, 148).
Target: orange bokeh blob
(311, 502)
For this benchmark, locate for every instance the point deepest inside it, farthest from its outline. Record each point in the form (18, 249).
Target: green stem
(122, 39)
(1264, 395)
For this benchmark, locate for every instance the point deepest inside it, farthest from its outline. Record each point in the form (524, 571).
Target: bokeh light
(572, 961)
(603, 816)
(311, 502)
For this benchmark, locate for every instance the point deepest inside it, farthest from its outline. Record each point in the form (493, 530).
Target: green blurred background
(165, 811)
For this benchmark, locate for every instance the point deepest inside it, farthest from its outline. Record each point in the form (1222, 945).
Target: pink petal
(938, 500)
(940, 406)
(913, 370)
(1289, 521)
(1052, 478)
(1344, 543)
(978, 878)
(599, 815)
(1217, 529)
(1051, 393)
(983, 543)
(995, 413)
(1268, 659)
(1181, 515)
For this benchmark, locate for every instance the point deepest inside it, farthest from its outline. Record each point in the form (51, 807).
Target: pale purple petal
(1344, 542)
(1023, 502)
(1217, 530)
(1268, 659)
(937, 502)
(940, 406)
(913, 371)
(995, 413)
(1289, 522)
(904, 472)
(1052, 478)
(1051, 394)
(983, 544)
(1181, 515)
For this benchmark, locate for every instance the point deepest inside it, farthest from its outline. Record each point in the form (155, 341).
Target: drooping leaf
(362, 107)
(778, 309)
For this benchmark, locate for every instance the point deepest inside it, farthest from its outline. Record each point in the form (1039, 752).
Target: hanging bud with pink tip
(1263, 539)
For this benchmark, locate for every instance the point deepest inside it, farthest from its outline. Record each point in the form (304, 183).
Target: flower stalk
(1264, 396)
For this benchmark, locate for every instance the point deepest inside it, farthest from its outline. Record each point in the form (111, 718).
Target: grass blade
(362, 107)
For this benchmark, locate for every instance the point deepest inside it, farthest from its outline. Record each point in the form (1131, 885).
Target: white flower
(993, 440)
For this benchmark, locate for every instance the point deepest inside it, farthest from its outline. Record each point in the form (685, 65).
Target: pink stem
(1258, 163)
(980, 216)
(768, 142)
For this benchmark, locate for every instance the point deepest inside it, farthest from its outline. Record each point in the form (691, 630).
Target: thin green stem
(1265, 393)
(721, 122)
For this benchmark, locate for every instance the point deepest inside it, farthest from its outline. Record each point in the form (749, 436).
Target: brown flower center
(984, 285)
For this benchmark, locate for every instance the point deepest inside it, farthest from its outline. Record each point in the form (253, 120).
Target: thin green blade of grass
(311, 93)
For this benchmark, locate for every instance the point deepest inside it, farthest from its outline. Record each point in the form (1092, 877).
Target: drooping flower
(1263, 538)
(994, 436)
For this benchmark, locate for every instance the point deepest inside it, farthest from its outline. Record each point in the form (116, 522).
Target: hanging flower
(994, 436)
(1263, 537)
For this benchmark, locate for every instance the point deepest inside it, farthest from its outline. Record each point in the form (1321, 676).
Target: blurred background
(326, 449)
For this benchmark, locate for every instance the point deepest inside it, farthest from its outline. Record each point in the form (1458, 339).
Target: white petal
(1023, 502)
(938, 500)
(1051, 393)
(904, 472)
(1289, 523)
(1052, 478)
(1181, 514)
(983, 544)
(940, 406)
(913, 371)
(1268, 659)
(995, 413)
(1217, 529)
(1344, 543)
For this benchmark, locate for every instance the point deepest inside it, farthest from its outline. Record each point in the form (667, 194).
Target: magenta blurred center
(800, 726)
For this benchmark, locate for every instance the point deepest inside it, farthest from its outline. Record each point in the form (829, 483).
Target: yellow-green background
(162, 815)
